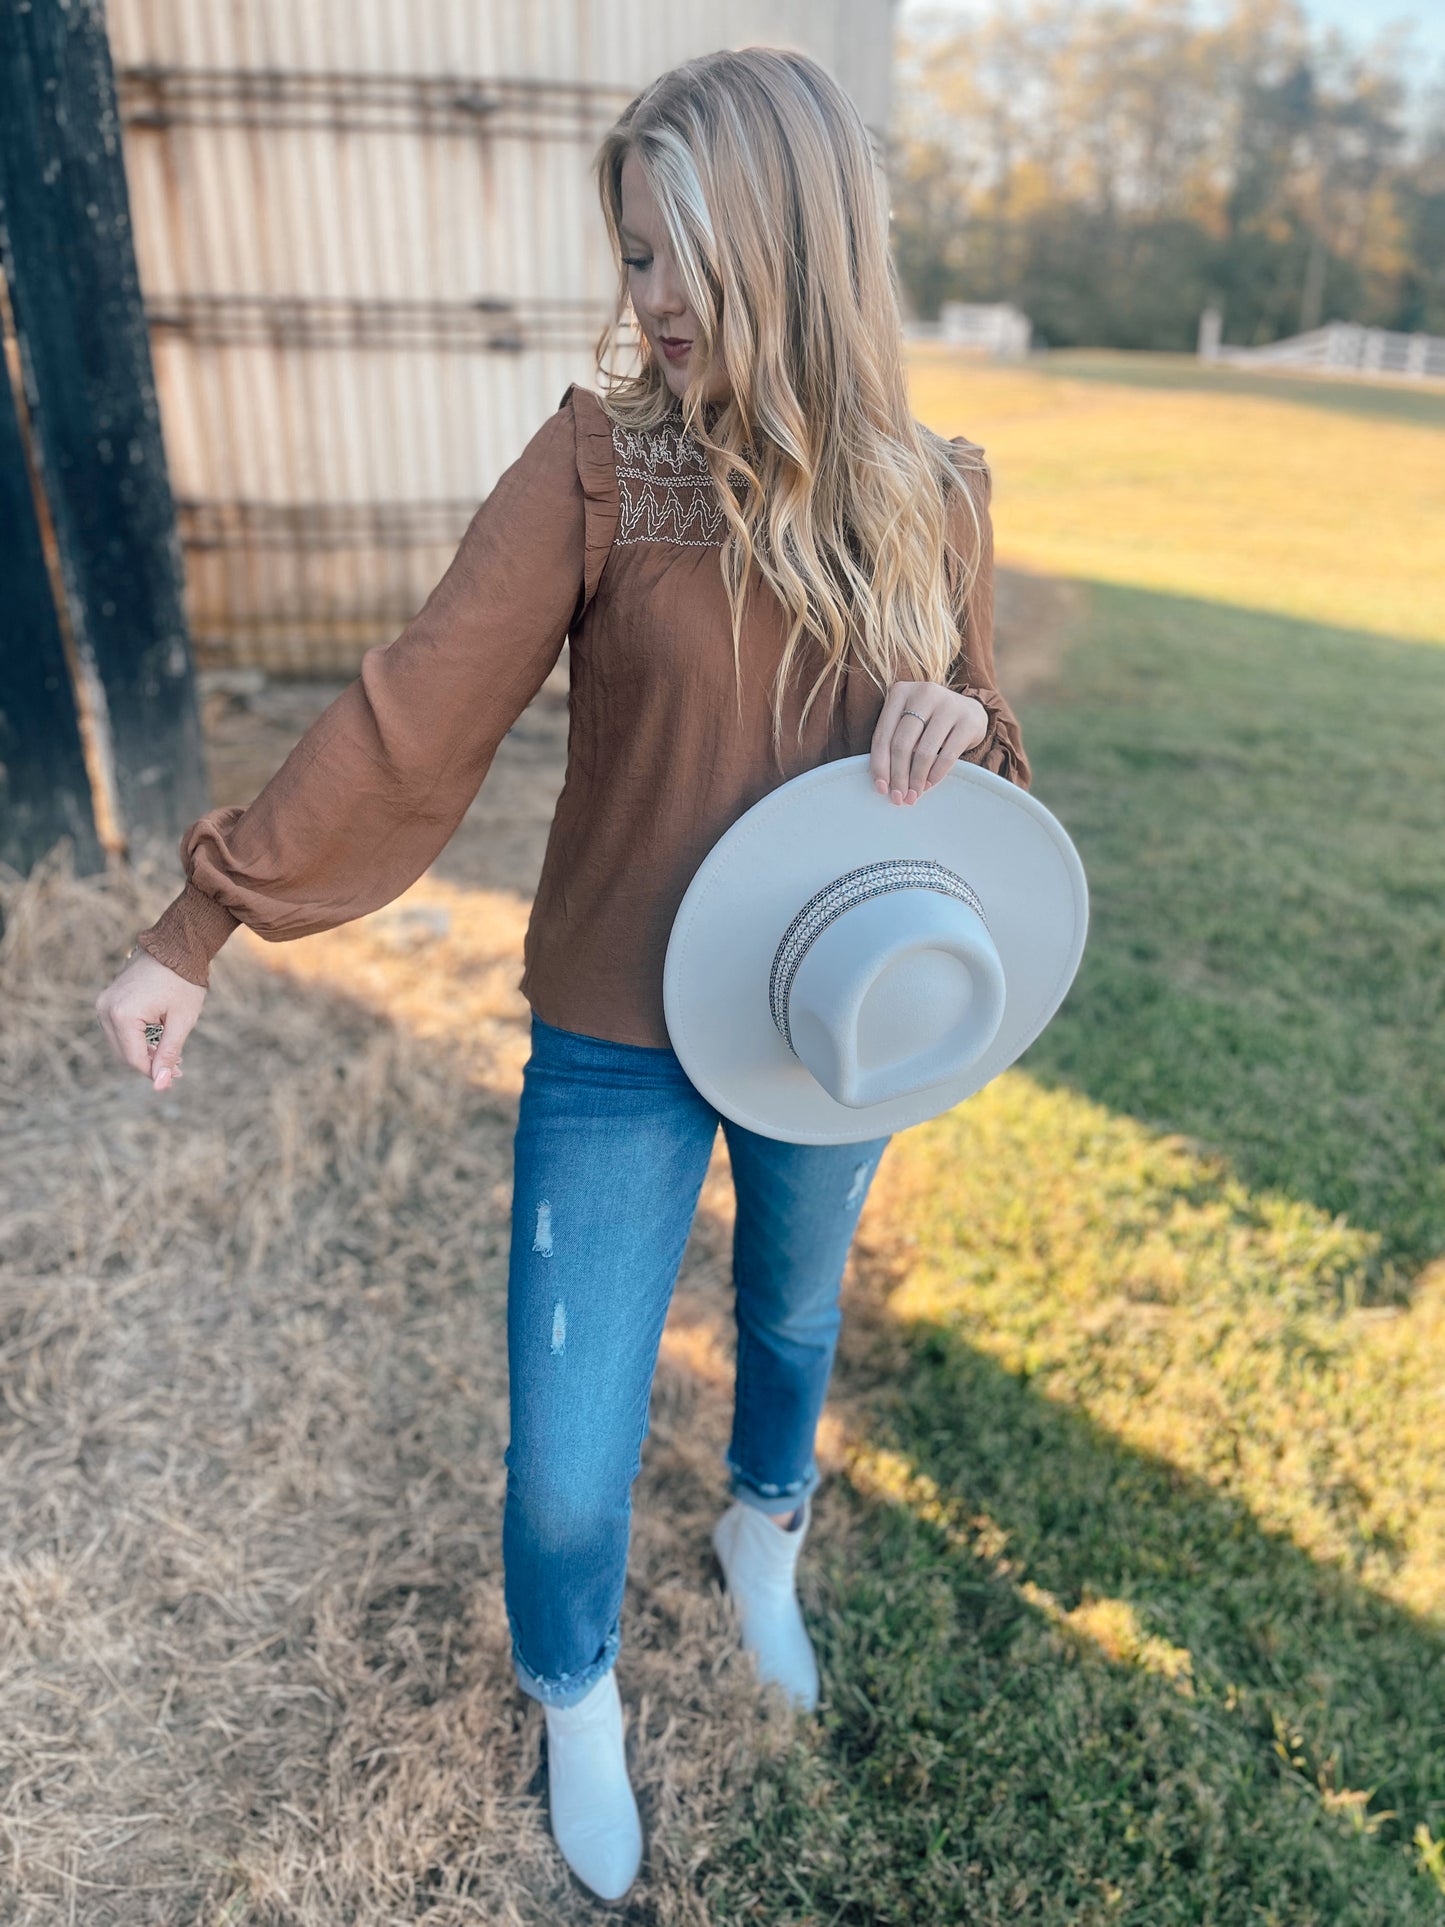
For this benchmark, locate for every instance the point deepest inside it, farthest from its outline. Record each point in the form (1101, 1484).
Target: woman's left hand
(922, 731)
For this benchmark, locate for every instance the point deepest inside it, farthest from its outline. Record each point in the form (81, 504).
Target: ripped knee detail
(857, 1190)
(542, 1245)
(542, 1237)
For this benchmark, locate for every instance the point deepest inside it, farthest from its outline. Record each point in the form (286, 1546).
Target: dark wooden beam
(67, 254)
(44, 787)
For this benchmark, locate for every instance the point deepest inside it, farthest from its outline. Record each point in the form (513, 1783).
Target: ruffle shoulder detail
(597, 470)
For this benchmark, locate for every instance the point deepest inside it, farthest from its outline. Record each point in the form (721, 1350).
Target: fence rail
(1348, 347)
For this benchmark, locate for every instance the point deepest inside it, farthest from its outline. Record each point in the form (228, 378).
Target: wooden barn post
(95, 446)
(44, 785)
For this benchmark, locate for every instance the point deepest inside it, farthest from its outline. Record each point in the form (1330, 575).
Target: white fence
(987, 327)
(1345, 347)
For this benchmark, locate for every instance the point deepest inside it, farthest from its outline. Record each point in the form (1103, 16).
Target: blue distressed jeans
(612, 1145)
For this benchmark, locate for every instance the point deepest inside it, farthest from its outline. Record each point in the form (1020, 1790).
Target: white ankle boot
(594, 1815)
(759, 1562)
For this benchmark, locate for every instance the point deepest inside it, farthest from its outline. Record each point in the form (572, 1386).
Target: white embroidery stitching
(665, 488)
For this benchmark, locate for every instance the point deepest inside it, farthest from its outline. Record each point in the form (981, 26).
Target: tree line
(1115, 169)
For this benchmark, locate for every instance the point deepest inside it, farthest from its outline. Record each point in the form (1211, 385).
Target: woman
(762, 562)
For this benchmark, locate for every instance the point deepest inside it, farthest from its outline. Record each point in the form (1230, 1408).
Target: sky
(1361, 20)
(1357, 21)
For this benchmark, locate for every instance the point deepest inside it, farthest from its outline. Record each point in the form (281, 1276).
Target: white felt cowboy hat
(842, 966)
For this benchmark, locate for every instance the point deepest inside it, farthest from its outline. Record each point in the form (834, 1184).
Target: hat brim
(799, 837)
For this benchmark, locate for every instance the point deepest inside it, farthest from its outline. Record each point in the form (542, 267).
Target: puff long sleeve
(369, 796)
(972, 671)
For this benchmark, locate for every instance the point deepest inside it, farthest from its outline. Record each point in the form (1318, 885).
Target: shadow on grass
(1259, 803)
(1067, 1683)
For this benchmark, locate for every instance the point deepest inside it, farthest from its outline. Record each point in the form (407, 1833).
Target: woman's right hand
(147, 991)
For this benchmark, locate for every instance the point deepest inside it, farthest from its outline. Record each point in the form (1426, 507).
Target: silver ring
(914, 712)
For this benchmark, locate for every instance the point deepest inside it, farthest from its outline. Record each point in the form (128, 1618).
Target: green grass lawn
(1246, 500)
(1140, 1615)
(1389, 399)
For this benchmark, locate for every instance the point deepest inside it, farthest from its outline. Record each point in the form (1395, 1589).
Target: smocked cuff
(188, 933)
(995, 751)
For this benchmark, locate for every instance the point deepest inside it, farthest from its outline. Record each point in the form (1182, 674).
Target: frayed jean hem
(567, 1688)
(775, 1499)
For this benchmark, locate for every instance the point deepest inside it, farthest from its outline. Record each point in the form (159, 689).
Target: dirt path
(253, 1409)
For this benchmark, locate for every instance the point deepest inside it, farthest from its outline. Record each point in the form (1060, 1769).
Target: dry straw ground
(253, 1375)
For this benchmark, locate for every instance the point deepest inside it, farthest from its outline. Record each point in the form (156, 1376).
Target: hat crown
(887, 981)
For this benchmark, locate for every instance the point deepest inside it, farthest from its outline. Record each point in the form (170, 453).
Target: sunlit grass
(1382, 398)
(1220, 1331)
(1144, 1618)
(1266, 503)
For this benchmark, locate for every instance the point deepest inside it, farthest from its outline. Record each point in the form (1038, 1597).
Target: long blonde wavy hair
(776, 211)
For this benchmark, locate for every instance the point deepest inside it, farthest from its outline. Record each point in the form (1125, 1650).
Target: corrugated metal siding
(373, 259)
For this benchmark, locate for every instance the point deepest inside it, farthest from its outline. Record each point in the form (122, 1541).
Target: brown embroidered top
(609, 537)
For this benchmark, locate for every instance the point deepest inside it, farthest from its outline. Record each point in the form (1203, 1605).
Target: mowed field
(1148, 1626)
(1138, 470)
(1128, 1570)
